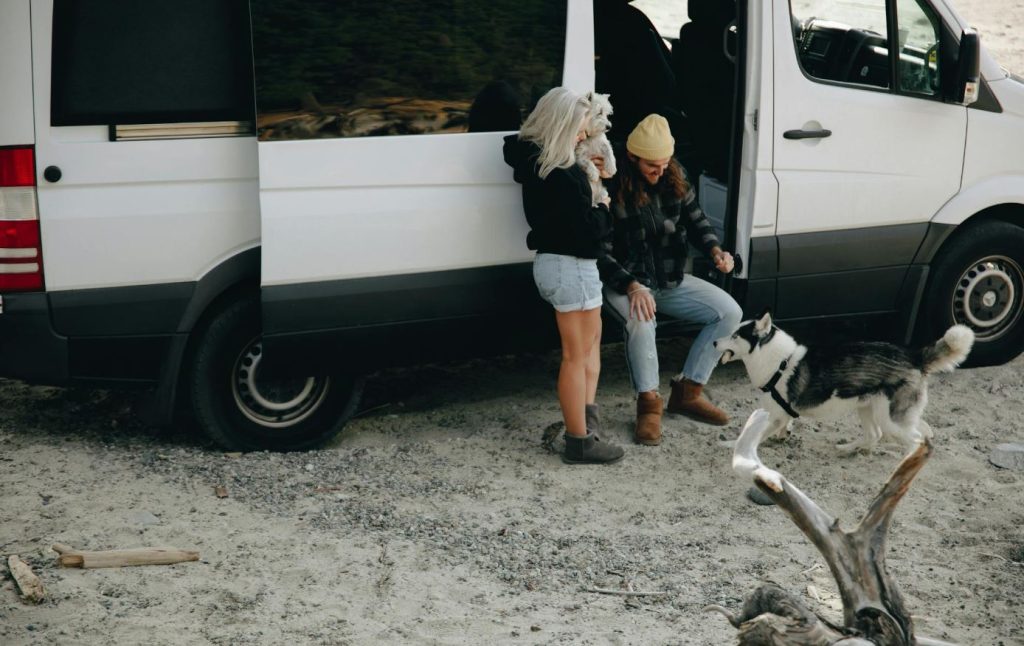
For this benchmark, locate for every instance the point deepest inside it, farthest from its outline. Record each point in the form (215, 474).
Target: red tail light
(21, 255)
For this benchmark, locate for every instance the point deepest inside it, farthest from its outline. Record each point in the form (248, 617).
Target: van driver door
(865, 149)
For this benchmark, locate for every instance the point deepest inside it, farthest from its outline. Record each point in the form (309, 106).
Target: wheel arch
(942, 235)
(946, 243)
(230, 279)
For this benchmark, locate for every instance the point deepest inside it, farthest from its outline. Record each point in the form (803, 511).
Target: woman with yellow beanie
(655, 213)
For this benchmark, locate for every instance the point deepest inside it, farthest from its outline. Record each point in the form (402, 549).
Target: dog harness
(771, 390)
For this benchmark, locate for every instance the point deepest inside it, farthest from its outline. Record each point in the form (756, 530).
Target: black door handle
(807, 134)
(52, 174)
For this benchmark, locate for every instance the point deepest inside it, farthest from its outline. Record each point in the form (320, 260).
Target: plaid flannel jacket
(649, 244)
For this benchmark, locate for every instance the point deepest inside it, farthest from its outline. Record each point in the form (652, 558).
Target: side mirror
(968, 68)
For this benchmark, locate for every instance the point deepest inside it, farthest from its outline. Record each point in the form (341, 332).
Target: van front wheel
(243, 409)
(979, 282)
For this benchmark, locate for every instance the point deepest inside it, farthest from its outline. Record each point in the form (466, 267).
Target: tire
(978, 281)
(241, 411)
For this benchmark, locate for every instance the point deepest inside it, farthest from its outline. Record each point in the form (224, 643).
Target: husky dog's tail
(949, 351)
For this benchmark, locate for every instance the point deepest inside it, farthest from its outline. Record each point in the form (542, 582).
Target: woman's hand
(723, 261)
(641, 303)
(607, 201)
(599, 164)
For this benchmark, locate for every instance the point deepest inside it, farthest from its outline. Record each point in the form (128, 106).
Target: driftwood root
(873, 609)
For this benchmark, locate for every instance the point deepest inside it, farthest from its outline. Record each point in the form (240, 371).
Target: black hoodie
(558, 208)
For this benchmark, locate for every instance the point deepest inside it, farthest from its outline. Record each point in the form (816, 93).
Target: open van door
(392, 231)
(866, 149)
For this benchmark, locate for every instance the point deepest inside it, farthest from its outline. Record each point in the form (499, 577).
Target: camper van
(243, 206)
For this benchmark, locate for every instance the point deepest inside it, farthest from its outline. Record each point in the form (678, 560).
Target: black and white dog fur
(885, 383)
(596, 144)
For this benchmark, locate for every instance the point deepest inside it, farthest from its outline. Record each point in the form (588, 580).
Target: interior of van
(651, 57)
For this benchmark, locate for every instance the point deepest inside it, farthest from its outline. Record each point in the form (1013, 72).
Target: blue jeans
(693, 301)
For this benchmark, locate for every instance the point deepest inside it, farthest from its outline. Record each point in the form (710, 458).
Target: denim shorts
(570, 284)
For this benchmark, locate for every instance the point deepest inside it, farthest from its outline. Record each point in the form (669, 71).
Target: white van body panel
(879, 167)
(135, 212)
(758, 188)
(578, 74)
(377, 206)
(994, 159)
(15, 74)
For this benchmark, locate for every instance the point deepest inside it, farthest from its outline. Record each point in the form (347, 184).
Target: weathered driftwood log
(70, 557)
(873, 610)
(29, 584)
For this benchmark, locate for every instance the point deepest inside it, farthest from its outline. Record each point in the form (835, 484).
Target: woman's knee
(636, 328)
(732, 313)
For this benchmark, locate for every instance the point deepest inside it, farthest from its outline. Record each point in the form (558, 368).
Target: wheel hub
(987, 296)
(273, 402)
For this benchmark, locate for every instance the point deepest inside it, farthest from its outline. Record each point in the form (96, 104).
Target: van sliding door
(387, 211)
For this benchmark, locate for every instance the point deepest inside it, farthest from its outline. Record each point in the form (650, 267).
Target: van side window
(919, 32)
(402, 67)
(843, 41)
(148, 62)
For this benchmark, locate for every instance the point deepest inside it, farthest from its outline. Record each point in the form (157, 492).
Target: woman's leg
(641, 347)
(577, 331)
(701, 302)
(594, 358)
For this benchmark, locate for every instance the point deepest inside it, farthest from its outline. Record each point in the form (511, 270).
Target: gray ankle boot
(593, 419)
(590, 449)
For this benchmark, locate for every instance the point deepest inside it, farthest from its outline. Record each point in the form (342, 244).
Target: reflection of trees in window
(366, 67)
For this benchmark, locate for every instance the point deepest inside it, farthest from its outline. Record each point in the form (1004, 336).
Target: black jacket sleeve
(574, 202)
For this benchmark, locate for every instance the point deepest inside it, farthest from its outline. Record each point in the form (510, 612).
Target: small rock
(759, 497)
(309, 467)
(1008, 456)
(535, 629)
(143, 518)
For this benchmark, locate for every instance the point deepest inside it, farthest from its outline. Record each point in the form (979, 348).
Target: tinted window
(366, 67)
(839, 40)
(144, 61)
(919, 34)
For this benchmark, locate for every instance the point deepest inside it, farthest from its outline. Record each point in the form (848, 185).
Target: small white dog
(885, 383)
(596, 144)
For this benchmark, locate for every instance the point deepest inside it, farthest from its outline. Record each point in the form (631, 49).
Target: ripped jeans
(693, 301)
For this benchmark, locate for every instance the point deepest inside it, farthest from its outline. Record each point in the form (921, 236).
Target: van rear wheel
(243, 409)
(979, 282)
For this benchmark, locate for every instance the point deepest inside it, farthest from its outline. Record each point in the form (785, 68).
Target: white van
(251, 262)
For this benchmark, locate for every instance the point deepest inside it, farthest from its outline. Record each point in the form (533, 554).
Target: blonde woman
(566, 231)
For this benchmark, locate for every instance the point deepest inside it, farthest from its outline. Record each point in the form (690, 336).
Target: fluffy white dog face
(747, 337)
(600, 111)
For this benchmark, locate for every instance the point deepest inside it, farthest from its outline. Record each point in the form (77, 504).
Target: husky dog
(597, 145)
(886, 384)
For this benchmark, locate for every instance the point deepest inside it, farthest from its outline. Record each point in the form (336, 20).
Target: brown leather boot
(688, 399)
(648, 418)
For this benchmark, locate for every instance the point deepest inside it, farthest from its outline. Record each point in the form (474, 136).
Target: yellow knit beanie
(651, 139)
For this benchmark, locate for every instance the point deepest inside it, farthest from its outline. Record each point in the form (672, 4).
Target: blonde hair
(553, 125)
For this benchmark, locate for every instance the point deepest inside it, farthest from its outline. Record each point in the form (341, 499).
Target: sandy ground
(438, 518)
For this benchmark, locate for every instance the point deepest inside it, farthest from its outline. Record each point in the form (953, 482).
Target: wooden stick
(70, 557)
(627, 593)
(29, 584)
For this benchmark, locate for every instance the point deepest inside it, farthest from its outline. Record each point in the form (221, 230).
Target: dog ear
(763, 323)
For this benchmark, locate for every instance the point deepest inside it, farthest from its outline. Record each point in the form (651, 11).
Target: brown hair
(632, 184)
